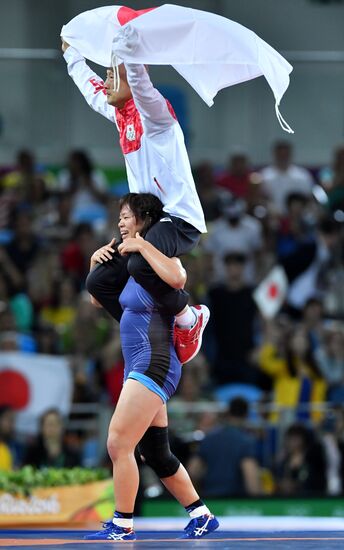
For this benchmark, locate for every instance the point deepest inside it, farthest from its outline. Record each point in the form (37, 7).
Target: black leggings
(173, 237)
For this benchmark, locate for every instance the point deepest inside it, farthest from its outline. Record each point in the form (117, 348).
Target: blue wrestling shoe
(111, 531)
(200, 527)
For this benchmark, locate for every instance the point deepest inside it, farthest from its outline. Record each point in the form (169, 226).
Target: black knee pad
(154, 447)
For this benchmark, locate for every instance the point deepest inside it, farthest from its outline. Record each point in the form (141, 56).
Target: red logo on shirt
(98, 86)
(130, 127)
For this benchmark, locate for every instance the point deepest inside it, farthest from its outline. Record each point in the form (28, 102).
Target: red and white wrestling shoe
(188, 341)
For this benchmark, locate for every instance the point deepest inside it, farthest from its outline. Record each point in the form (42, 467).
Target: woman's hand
(131, 244)
(104, 253)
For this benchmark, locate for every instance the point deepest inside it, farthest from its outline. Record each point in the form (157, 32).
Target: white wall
(40, 107)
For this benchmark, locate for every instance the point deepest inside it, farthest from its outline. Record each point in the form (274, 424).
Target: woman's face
(128, 224)
(52, 426)
(336, 343)
(294, 443)
(299, 343)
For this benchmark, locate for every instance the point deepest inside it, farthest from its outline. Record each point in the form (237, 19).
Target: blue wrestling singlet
(147, 342)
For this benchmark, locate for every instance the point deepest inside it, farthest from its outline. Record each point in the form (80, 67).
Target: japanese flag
(210, 51)
(32, 383)
(271, 292)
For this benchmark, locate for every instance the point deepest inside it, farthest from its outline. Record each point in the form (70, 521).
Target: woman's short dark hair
(146, 207)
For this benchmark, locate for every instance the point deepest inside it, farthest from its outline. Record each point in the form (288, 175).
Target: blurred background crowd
(259, 410)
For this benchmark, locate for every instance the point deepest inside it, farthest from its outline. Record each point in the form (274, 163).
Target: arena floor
(259, 533)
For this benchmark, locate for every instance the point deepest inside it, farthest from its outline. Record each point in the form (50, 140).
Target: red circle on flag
(124, 14)
(273, 291)
(14, 389)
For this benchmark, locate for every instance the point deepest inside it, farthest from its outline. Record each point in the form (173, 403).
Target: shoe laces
(107, 525)
(189, 336)
(191, 525)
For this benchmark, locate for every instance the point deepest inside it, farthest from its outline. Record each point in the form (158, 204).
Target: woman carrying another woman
(152, 373)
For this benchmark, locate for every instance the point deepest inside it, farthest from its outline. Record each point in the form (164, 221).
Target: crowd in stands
(261, 373)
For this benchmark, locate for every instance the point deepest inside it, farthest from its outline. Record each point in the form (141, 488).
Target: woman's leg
(135, 410)
(178, 484)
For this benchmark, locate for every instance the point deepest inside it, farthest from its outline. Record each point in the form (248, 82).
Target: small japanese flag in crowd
(272, 292)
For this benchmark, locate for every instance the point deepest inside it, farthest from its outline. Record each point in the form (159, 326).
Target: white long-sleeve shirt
(150, 136)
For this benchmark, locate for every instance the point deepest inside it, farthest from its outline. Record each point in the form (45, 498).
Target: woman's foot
(200, 527)
(111, 531)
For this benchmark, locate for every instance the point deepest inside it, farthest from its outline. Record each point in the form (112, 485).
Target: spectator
(207, 191)
(27, 180)
(81, 175)
(289, 361)
(233, 324)
(10, 338)
(90, 329)
(87, 336)
(43, 276)
(57, 225)
(306, 264)
(7, 204)
(19, 304)
(226, 464)
(294, 226)
(192, 390)
(332, 441)
(107, 230)
(198, 268)
(21, 252)
(234, 232)
(50, 450)
(313, 321)
(10, 449)
(301, 469)
(112, 368)
(47, 340)
(336, 428)
(336, 194)
(330, 358)
(7, 320)
(333, 180)
(282, 177)
(88, 187)
(9, 341)
(236, 178)
(61, 311)
(76, 254)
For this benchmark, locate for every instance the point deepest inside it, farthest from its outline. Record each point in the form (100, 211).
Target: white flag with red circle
(271, 292)
(33, 383)
(210, 51)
